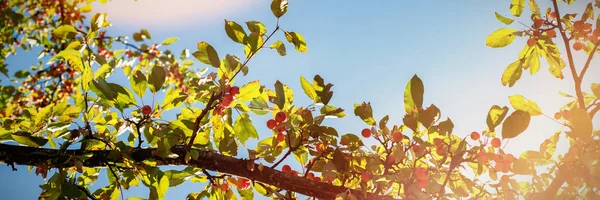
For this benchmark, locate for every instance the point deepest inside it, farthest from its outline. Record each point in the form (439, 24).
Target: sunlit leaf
(235, 32)
(298, 41)
(279, 7)
(503, 19)
(581, 122)
(516, 7)
(501, 38)
(244, 129)
(512, 74)
(280, 47)
(207, 55)
(169, 40)
(413, 95)
(515, 124)
(519, 102)
(65, 32)
(495, 116)
(157, 78)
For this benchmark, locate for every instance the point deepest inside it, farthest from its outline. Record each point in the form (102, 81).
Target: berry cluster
(226, 99)
(278, 125)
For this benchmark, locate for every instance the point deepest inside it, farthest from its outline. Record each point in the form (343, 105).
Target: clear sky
(368, 51)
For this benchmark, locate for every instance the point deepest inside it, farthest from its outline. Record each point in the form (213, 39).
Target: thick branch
(22, 155)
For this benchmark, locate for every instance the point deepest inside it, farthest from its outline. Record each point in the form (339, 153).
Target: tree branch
(32, 156)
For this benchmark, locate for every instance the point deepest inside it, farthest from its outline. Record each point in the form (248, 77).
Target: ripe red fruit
(280, 117)
(224, 187)
(366, 132)
(271, 124)
(551, 33)
(557, 115)
(320, 147)
(417, 148)
(280, 137)
(475, 135)
(146, 110)
(421, 174)
(286, 169)
(538, 23)
(243, 183)
(365, 177)
(317, 179)
(234, 90)
(437, 141)
(566, 114)
(577, 46)
(441, 150)
(397, 136)
(531, 42)
(310, 176)
(281, 129)
(496, 142)
(482, 157)
(390, 160)
(553, 15)
(422, 183)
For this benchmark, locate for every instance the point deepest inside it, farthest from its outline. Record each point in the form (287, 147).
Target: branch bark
(32, 156)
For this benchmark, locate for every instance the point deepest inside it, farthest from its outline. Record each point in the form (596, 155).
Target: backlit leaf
(581, 122)
(279, 7)
(280, 47)
(65, 32)
(413, 95)
(516, 7)
(169, 40)
(249, 91)
(207, 55)
(503, 19)
(297, 40)
(512, 74)
(501, 38)
(495, 116)
(515, 124)
(235, 32)
(309, 90)
(244, 128)
(519, 102)
(157, 78)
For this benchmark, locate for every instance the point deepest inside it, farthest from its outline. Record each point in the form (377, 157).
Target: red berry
(280, 117)
(557, 115)
(280, 137)
(531, 42)
(310, 176)
(441, 150)
(577, 46)
(475, 135)
(146, 110)
(437, 141)
(538, 23)
(320, 147)
(234, 90)
(421, 174)
(224, 187)
(271, 124)
(243, 183)
(286, 169)
(553, 15)
(366, 132)
(390, 160)
(496, 142)
(397, 136)
(417, 148)
(365, 177)
(551, 33)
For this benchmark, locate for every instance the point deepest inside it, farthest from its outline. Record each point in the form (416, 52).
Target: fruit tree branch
(32, 156)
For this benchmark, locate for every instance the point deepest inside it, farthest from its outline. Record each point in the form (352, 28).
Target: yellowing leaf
(512, 74)
(169, 40)
(85, 9)
(413, 94)
(519, 102)
(503, 19)
(495, 116)
(297, 40)
(138, 83)
(207, 55)
(308, 88)
(65, 32)
(516, 7)
(235, 32)
(249, 91)
(501, 38)
(157, 78)
(28, 140)
(280, 47)
(256, 27)
(279, 7)
(515, 124)
(596, 89)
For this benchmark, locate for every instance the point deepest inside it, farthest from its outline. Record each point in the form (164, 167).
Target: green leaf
(70, 190)
(280, 92)
(515, 124)
(65, 32)
(519, 102)
(256, 27)
(138, 83)
(588, 13)
(428, 116)
(235, 32)
(101, 87)
(301, 156)
(297, 40)
(21, 74)
(308, 88)
(516, 7)
(98, 21)
(207, 55)
(365, 112)
(255, 41)
(501, 38)
(173, 98)
(28, 140)
(596, 90)
(86, 78)
(413, 95)
(145, 34)
(332, 111)
(249, 91)
(512, 74)
(279, 7)
(495, 116)
(73, 57)
(582, 123)
(503, 19)
(157, 78)
(169, 40)
(244, 128)
(280, 47)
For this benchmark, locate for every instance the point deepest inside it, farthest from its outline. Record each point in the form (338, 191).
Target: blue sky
(368, 51)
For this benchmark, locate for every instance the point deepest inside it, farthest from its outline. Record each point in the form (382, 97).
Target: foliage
(67, 100)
